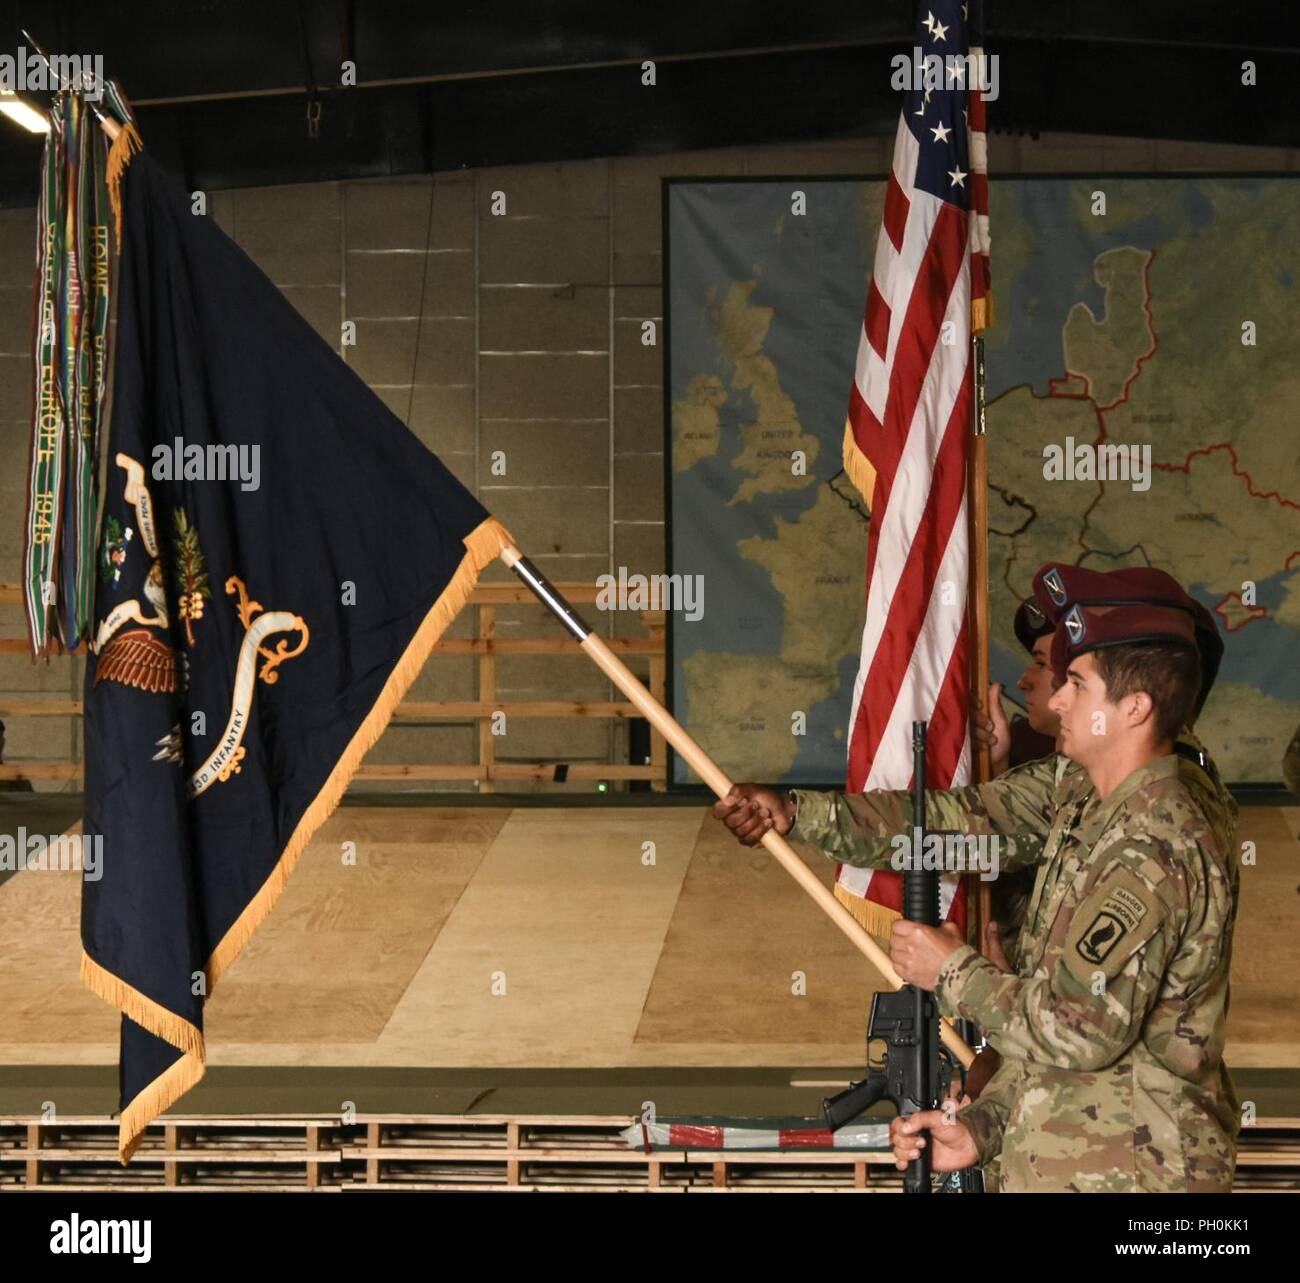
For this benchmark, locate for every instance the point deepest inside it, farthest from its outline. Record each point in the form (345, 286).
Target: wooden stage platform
(501, 941)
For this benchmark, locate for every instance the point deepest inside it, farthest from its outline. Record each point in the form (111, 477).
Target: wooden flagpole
(712, 775)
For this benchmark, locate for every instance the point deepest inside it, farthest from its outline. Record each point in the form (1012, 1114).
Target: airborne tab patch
(1111, 925)
(1103, 934)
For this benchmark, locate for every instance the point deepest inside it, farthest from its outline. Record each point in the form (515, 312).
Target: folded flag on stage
(786, 1134)
(907, 441)
(278, 556)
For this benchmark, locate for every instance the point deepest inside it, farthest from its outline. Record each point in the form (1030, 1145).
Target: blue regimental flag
(290, 604)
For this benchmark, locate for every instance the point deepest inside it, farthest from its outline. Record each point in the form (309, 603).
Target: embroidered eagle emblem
(137, 658)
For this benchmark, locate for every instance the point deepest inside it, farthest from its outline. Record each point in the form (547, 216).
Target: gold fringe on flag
(124, 146)
(981, 313)
(167, 1088)
(857, 465)
(483, 545)
(147, 1013)
(878, 919)
(176, 1080)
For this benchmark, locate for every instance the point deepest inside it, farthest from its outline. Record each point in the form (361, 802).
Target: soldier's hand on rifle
(952, 1145)
(990, 729)
(749, 810)
(918, 951)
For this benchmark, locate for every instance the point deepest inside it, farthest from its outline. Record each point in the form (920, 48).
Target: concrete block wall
(516, 332)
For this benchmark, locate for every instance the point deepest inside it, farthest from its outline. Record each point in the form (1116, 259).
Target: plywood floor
(599, 959)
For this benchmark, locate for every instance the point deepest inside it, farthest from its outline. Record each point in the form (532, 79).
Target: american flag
(906, 442)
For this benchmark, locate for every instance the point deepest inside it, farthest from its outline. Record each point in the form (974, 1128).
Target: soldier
(1112, 1028)
(1032, 736)
(1035, 623)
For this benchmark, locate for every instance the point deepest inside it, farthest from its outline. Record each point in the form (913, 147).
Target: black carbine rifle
(917, 1067)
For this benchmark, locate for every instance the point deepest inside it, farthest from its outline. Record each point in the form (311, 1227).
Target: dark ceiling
(222, 87)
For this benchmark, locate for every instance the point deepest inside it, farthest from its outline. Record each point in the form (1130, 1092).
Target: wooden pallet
(373, 1153)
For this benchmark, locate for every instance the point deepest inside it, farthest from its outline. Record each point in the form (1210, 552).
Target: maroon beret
(1209, 641)
(1031, 623)
(1056, 587)
(1083, 628)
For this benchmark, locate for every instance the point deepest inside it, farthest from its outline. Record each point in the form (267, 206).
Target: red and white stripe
(910, 418)
(670, 1135)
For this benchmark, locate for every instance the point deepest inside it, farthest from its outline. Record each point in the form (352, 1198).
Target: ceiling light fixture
(25, 114)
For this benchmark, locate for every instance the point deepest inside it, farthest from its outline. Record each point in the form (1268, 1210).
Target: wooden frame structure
(486, 646)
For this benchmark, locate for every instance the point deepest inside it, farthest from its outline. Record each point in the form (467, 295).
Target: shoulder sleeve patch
(1111, 925)
(1153, 871)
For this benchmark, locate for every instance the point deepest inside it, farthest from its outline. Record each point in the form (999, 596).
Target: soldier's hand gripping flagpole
(711, 774)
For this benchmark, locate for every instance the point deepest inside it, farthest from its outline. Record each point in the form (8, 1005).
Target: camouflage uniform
(1119, 1090)
(1202, 781)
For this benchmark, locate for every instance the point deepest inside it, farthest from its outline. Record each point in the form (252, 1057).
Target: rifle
(917, 1068)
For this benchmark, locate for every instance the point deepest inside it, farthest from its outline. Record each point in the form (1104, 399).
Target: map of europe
(1143, 312)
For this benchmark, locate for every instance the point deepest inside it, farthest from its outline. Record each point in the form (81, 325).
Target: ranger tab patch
(1111, 925)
